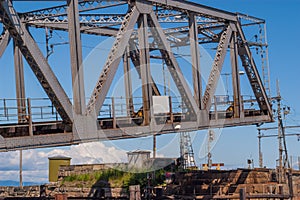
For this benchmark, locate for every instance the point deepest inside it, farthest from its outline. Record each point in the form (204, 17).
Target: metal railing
(42, 109)
(38, 109)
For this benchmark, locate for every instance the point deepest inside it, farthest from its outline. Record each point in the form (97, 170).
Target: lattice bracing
(145, 33)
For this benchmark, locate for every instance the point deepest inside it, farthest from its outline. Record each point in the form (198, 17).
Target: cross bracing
(142, 31)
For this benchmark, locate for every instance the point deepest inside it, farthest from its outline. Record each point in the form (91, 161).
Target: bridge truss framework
(138, 32)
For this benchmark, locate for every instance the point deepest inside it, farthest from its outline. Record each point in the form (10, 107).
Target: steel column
(145, 67)
(20, 84)
(128, 83)
(237, 99)
(76, 58)
(135, 58)
(195, 53)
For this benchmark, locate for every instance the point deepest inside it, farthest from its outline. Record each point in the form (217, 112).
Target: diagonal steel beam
(216, 68)
(173, 66)
(112, 63)
(4, 41)
(252, 73)
(36, 60)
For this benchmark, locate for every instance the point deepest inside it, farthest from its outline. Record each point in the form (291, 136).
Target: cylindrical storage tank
(54, 164)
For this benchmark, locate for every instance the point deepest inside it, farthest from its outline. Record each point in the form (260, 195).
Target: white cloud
(35, 162)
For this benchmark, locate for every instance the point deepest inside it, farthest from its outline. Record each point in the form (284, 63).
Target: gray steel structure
(137, 32)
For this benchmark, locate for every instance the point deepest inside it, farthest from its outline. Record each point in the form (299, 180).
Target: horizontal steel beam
(114, 19)
(64, 139)
(84, 28)
(56, 11)
(197, 9)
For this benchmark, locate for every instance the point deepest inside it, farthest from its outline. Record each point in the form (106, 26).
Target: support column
(79, 105)
(21, 170)
(237, 100)
(20, 84)
(195, 53)
(242, 194)
(145, 68)
(154, 145)
(260, 155)
(128, 83)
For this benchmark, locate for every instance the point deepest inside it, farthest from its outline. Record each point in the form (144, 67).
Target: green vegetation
(114, 178)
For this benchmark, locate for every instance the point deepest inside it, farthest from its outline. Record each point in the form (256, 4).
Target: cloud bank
(35, 162)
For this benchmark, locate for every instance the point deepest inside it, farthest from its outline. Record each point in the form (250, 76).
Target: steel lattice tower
(186, 151)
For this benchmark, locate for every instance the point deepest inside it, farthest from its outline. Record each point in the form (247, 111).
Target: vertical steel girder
(20, 84)
(111, 65)
(195, 54)
(145, 67)
(252, 72)
(135, 58)
(36, 60)
(237, 99)
(4, 40)
(173, 66)
(76, 58)
(128, 84)
(216, 68)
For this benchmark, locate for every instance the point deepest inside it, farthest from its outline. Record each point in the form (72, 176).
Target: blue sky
(234, 145)
(282, 30)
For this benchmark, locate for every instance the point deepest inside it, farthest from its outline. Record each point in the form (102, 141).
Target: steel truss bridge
(141, 28)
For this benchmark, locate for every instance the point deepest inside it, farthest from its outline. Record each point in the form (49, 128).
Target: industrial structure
(143, 31)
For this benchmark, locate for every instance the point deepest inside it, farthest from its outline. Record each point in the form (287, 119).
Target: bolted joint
(144, 7)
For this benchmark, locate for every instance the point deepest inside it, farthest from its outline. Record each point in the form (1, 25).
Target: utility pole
(260, 155)
(210, 139)
(21, 166)
(283, 162)
(280, 169)
(154, 145)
